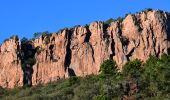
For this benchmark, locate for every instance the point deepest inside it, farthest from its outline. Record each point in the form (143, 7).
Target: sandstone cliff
(11, 73)
(80, 50)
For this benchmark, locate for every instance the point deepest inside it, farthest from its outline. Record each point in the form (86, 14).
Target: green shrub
(109, 21)
(24, 40)
(148, 9)
(152, 61)
(120, 19)
(3, 91)
(47, 40)
(87, 25)
(150, 68)
(12, 37)
(37, 35)
(108, 67)
(132, 68)
(6, 40)
(86, 90)
(73, 80)
(156, 74)
(165, 58)
(46, 36)
(102, 97)
(39, 49)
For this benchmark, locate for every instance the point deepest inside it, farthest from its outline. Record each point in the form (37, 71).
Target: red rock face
(80, 51)
(11, 74)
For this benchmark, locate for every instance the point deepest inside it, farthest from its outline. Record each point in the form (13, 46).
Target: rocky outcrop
(79, 51)
(11, 74)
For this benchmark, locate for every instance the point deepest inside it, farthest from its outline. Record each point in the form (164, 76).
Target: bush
(3, 91)
(150, 68)
(102, 97)
(73, 80)
(148, 9)
(47, 40)
(120, 19)
(109, 21)
(6, 40)
(132, 68)
(152, 61)
(108, 67)
(86, 91)
(37, 35)
(39, 49)
(45, 35)
(87, 25)
(165, 58)
(12, 37)
(24, 40)
(156, 74)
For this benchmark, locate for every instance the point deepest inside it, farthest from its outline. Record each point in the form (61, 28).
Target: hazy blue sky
(25, 17)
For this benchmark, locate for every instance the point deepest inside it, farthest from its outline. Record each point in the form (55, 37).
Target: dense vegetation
(137, 80)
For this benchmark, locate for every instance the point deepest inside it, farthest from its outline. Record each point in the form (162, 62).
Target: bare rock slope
(80, 50)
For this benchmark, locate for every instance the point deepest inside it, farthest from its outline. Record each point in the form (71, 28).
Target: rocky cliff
(11, 74)
(79, 51)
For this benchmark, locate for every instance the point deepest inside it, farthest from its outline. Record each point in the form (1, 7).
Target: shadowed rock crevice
(124, 40)
(137, 22)
(88, 34)
(87, 39)
(27, 61)
(168, 51)
(106, 36)
(112, 48)
(168, 27)
(154, 40)
(51, 52)
(71, 72)
(67, 60)
(92, 53)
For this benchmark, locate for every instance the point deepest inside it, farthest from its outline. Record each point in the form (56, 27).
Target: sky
(25, 17)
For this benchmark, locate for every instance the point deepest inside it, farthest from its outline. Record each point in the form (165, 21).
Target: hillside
(79, 51)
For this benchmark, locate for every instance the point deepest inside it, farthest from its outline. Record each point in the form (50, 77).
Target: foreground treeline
(137, 80)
